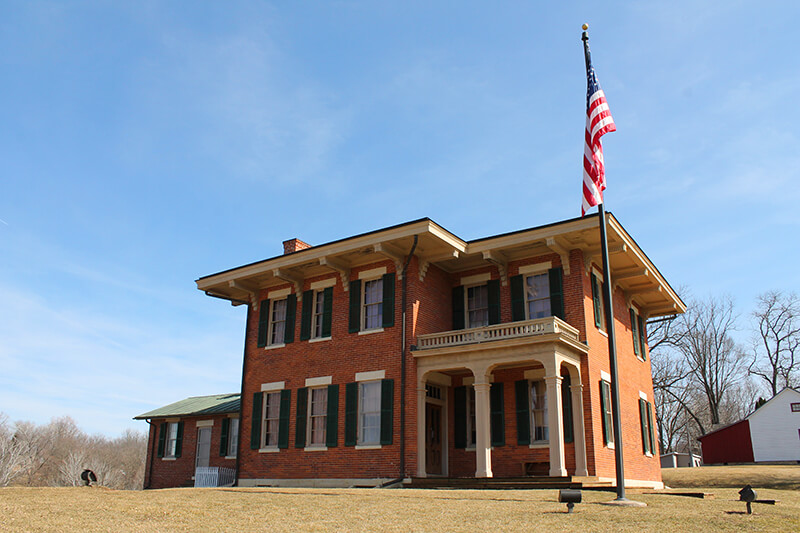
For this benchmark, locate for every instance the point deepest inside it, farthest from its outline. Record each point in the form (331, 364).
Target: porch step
(512, 483)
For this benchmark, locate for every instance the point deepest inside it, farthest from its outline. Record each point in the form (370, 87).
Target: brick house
(409, 352)
(198, 432)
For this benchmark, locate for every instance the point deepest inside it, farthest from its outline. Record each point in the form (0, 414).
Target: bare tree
(11, 457)
(776, 347)
(713, 359)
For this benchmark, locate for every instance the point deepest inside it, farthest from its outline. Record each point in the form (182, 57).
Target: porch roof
(216, 404)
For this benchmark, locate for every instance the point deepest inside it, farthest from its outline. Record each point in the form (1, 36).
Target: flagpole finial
(585, 27)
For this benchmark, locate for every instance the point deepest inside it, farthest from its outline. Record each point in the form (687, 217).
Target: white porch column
(483, 446)
(578, 430)
(556, 426)
(422, 442)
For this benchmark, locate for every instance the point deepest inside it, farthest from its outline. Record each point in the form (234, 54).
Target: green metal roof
(197, 405)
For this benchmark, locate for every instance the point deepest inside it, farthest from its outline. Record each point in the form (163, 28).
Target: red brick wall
(163, 473)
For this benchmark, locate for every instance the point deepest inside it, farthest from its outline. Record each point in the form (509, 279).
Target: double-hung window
(172, 439)
(638, 334)
(229, 440)
(317, 416)
(372, 301)
(538, 397)
(471, 432)
(318, 314)
(373, 304)
(477, 306)
(537, 295)
(598, 301)
(277, 322)
(272, 414)
(369, 413)
(646, 420)
(605, 408)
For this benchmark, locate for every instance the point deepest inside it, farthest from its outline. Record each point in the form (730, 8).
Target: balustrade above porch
(543, 329)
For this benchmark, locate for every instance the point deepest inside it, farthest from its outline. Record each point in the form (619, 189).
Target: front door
(433, 438)
(203, 446)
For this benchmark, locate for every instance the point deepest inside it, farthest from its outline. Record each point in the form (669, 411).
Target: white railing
(510, 330)
(214, 476)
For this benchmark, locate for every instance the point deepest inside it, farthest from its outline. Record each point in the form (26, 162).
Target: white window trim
(605, 376)
(371, 376)
(268, 449)
(536, 268)
(477, 279)
(204, 423)
(323, 284)
(323, 339)
(538, 443)
(370, 331)
(318, 382)
(271, 323)
(368, 446)
(315, 318)
(279, 294)
(374, 273)
(238, 421)
(167, 439)
(275, 385)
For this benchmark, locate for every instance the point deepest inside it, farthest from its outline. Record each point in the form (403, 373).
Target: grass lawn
(260, 509)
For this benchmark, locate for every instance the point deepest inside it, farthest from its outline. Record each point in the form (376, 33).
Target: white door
(203, 446)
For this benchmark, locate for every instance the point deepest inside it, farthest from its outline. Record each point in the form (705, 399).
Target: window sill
(269, 449)
(640, 358)
(648, 454)
(315, 449)
(274, 346)
(539, 445)
(169, 458)
(602, 332)
(370, 331)
(368, 447)
(231, 456)
(319, 339)
(610, 446)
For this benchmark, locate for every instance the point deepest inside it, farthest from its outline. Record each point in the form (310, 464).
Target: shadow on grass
(429, 496)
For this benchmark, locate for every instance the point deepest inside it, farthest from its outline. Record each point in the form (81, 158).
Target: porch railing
(509, 330)
(214, 476)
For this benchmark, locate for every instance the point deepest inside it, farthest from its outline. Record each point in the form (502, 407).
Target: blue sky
(146, 144)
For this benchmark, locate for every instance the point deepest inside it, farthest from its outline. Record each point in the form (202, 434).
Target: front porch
(502, 390)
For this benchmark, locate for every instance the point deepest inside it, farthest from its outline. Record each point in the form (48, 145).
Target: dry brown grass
(734, 476)
(94, 509)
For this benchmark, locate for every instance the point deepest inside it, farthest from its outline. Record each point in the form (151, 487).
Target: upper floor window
(796, 407)
(598, 301)
(276, 319)
(537, 295)
(372, 301)
(646, 420)
(638, 334)
(477, 306)
(537, 292)
(317, 312)
(277, 322)
(373, 304)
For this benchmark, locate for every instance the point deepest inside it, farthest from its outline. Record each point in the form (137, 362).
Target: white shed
(775, 428)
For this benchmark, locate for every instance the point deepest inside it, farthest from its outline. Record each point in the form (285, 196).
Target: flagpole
(609, 312)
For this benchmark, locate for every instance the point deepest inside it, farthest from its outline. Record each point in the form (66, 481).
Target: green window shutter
(460, 418)
(223, 439)
(634, 332)
(493, 292)
(305, 315)
(556, 292)
(255, 421)
(263, 323)
(458, 307)
(354, 325)
(387, 410)
(388, 300)
(283, 421)
(517, 298)
(523, 413)
(596, 302)
(351, 414)
(566, 408)
(291, 310)
(497, 419)
(605, 393)
(651, 428)
(332, 418)
(162, 438)
(642, 337)
(300, 419)
(643, 424)
(327, 311)
(179, 440)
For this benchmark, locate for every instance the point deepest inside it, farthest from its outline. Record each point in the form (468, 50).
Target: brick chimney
(294, 245)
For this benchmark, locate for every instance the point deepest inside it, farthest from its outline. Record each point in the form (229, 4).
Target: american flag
(598, 123)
